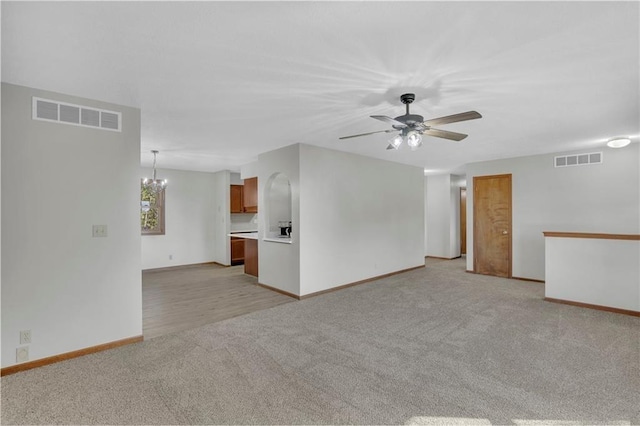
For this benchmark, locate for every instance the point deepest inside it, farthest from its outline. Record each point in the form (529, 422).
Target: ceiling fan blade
(388, 120)
(366, 134)
(463, 116)
(445, 134)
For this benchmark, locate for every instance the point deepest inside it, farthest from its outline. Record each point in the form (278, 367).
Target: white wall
(71, 290)
(595, 271)
(442, 231)
(249, 170)
(190, 202)
(278, 203)
(438, 215)
(457, 182)
(279, 264)
(243, 222)
(235, 179)
(426, 213)
(602, 198)
(359, 218)
(221, 218)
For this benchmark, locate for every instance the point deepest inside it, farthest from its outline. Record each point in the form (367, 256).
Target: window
(151, 211)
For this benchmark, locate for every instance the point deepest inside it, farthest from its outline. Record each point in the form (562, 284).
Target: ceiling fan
(411, 127)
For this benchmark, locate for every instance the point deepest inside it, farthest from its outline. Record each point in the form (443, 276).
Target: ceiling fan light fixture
(414, 140)
(618, 142)
(396, 142)
(413, 126)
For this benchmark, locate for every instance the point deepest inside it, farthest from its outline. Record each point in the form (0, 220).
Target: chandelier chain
(154, 185)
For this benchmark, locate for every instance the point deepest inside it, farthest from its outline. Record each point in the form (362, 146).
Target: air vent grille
(47, 110)
(69, 114)
(110, 120)
(90, 117)
(77, 115)
(578, 159)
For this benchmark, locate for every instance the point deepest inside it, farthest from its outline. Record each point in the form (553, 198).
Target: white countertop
(254, 236)
(248, 235)
(282, 240)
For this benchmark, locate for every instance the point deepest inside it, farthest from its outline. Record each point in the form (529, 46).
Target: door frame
(463, 220)
(475, 218)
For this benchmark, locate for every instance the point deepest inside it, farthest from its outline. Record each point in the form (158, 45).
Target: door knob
(505, 232)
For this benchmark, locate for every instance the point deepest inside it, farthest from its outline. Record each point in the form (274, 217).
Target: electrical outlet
(22, 354)
(170, 257)
(25, 337)
(99, 231)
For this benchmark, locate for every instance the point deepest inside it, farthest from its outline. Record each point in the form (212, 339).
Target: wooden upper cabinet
(250, 195)
(236, 199)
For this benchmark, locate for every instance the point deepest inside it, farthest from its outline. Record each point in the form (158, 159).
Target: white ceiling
(220, 82)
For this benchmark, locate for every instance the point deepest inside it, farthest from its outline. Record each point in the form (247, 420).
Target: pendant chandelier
(154, 185)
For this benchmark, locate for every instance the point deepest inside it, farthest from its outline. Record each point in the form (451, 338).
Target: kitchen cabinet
(237, 251)
(251, 257)
(244, 198)
(250, 195)
(237, 204)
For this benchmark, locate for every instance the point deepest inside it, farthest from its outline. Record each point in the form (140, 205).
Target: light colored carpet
(435, 345)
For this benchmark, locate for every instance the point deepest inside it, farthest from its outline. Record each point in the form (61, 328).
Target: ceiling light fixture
(395, 142)
(414, 140)
(618, 142)
(154, 185)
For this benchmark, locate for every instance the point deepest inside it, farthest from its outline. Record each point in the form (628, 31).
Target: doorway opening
(463, 221)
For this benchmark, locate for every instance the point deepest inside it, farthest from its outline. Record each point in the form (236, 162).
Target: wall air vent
(578, 159)
(77, 115)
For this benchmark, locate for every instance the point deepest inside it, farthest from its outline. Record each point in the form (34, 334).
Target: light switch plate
(25, 337)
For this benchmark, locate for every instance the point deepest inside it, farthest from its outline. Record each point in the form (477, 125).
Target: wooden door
(492, 225)
(463, 220)
(251, 195)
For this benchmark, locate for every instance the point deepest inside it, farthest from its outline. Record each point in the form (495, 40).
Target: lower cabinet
(251, 257)
(237, 251)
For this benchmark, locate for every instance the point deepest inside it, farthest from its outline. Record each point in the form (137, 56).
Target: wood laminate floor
(184, 298)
